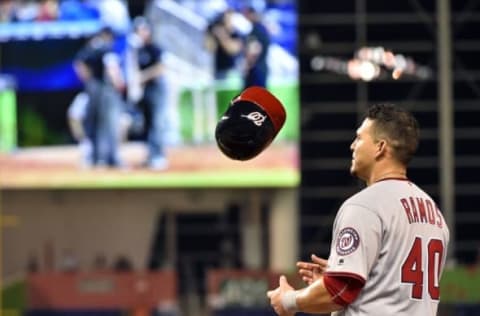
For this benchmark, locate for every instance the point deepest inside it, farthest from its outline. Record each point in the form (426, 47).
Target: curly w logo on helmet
(256, 117)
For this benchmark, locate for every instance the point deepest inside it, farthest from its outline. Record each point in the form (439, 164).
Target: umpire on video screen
(98, 67)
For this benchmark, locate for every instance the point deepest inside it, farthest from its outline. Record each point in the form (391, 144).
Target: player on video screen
(256, 50)
(150, 74)
(225, 42)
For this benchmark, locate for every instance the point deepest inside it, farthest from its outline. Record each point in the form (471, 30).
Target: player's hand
(220, 32)
(275, 296)
(311, 271)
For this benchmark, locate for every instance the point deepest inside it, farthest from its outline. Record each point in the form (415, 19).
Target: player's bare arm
(311, 271)
(82, 71)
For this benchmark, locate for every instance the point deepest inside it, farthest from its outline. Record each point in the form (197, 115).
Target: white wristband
(289, 301)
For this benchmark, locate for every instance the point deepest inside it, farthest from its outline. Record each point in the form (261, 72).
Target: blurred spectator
(256, 50)
(100, 262)
(151, 77)
(27, 10)
(49, 255)
(7, 11)
(33, 265)
(99, 69)
(224, 42)
(122, 264)
(68, 262)
(48, 10)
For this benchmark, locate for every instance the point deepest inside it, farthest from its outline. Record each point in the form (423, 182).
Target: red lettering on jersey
(430, 212)
(414, 210)
(406, 207)
(421, 209)
(439, 217)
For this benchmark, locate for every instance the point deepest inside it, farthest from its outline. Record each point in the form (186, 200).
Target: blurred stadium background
(210, 236)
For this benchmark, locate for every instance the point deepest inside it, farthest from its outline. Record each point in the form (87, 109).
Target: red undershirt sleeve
(343, 289)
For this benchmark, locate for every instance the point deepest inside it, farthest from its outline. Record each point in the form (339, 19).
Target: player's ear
(381, 148)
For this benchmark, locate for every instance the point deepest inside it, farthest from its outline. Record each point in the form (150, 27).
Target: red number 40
(413, 268)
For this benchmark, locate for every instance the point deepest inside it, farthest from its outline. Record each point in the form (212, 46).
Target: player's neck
(394, 172)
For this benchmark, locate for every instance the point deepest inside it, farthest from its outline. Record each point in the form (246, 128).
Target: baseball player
(389, 240)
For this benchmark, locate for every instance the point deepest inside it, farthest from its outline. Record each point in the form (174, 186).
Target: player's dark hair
(141, 22)
(219, 19)
(107, 31)
(398, 126)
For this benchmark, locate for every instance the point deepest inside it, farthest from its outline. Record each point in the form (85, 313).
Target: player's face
(145, 33)
(363, 151)
(227, 20)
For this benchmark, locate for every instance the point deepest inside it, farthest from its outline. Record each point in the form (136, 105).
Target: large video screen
(143, 114)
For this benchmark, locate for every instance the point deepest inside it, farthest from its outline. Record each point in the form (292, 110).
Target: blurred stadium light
(370, 63)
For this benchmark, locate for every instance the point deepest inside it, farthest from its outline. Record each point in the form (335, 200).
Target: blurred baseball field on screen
(37, 148)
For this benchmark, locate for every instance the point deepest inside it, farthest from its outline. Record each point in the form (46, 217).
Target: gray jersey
(392, 236)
